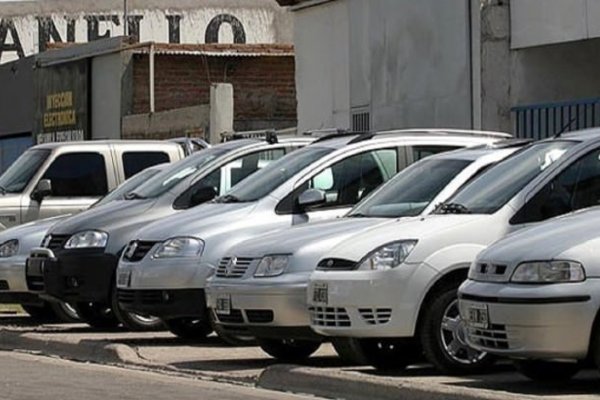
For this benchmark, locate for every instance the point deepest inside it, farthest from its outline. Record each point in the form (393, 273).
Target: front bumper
(13, 285)
(163, 274)
(264, 309)
(549, 322)
(165, 304)
(368, 303)
(72, 276)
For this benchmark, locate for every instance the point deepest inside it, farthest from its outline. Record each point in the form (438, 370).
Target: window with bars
(361, 121)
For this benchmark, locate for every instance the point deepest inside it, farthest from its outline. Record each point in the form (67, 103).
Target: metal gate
(539, 121)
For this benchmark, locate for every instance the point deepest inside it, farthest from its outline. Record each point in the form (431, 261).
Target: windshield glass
(495, 187)
(127, 186)
(17, 177)
(411, 191)
(167, 179)
(263, 182)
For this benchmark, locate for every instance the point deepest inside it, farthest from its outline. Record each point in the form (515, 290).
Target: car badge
(230, 266)
(131, 250)
(330, 263)
(46, 241)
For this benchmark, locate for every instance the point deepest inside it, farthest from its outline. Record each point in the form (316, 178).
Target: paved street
(25, 377)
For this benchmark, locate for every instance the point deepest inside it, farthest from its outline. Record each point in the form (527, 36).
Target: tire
(388, 354)
(349, 350)
(96, 315)
(289, 350)
(547, 371)
(233, 339)
(42, 313)
(442, 334)
(65, 312)
(132, 321)
(189, 328)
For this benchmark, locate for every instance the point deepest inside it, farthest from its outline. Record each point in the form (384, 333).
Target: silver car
(535, 295)
(79, 256)
(17, 242)
(164, 270)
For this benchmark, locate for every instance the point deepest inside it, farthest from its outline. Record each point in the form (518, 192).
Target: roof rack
(427, 131)
(270, 135)
(328, 134)
(510, 143)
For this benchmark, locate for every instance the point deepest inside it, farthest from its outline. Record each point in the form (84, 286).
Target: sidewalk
(323, 374)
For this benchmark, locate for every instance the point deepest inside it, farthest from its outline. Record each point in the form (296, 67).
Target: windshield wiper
(3, 190)
(133, 196)
(358, 215)
(452, 208)
(228, 198)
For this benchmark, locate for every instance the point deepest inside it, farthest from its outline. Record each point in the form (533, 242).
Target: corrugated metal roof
(220, 50)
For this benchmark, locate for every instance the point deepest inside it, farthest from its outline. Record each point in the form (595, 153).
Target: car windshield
(167, 179)
(127, 186)
(263, 182)
(494, 188)
(411, 191)
(18, 176)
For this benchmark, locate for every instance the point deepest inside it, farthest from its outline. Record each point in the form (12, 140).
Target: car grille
(493, 338)
(336, 264)
(235, 317)
(329, 316)
(139, 252)
(376, 316)
(233, 267)
(146, 297)
(490, 272)
(57, 242)
(259, 316)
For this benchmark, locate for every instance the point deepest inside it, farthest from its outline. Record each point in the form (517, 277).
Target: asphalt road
(29, 377)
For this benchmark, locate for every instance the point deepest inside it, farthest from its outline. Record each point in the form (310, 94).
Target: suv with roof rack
(322, 181)
(78, 258)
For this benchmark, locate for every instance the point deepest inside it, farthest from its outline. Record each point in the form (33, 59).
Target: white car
(394, 290)
(272, 305)
(535, 295)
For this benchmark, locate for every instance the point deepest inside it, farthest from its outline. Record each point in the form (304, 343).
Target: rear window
(136, 161)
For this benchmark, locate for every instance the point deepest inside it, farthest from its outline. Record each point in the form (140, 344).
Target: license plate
(223, 306)
(478, 316)
(35, 267)
(124, 279)
(321, 293)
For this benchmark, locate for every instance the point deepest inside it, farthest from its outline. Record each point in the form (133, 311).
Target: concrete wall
(405, 62)
(106, 96)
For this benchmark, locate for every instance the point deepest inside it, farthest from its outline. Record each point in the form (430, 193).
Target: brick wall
(264, 87)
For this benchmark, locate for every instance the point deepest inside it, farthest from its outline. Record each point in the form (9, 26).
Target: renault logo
(230, 265)
(131, 250)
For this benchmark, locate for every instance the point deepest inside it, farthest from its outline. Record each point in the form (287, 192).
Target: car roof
(92, 143)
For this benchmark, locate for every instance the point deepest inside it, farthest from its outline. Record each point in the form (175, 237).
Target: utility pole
(125, 24)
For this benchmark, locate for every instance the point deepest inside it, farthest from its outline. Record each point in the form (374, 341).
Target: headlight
(9, 248)
(87, 239)
(549, 272)
(179, 247)
(271, 266)
(387, 256)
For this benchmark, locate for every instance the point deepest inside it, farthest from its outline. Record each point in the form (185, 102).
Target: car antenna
(564, 128)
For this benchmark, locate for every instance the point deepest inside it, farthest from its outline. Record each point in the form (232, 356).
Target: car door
(78, 179)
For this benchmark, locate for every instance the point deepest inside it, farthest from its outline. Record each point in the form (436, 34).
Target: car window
(16, 178)
(229, 175)
(577, 187)
(420, 152)
(136, 161)
(345, 182)
(78, 174)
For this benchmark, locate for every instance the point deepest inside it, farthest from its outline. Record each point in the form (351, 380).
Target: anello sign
(23, 36)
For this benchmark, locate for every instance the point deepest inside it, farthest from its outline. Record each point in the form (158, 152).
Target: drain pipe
(151, 76)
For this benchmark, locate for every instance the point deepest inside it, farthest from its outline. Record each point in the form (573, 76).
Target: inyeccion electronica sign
(21, 36)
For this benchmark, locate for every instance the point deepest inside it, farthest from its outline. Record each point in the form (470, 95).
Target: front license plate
(124, 279)
(478, 316)
(35, 267)
(223, 306)
(321, 293)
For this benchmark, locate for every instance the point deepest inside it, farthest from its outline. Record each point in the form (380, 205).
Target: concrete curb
(349, 386)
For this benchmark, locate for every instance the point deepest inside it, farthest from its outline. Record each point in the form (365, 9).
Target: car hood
(39, 227)
(548, 240)
(105, 218)
(313, 237)
(357, 246)
(196, 221)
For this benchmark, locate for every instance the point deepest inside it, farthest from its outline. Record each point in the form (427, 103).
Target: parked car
(164, 270)
(393, 290)
(64, 178)
(268, 301)
(535, 295)
(79, 256)
(17, 242)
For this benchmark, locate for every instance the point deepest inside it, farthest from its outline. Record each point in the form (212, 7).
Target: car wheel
(234, 338)
(443, 337)
(349, 350)
(97, 315)
(133, 321)
(195, 329)
(289, 350)
(547, 371)
(65, 312)
(389, 353)
(42, 313)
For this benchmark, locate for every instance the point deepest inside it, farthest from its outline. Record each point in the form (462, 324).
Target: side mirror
(202, 195)
(42, 189)
(311, 197)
